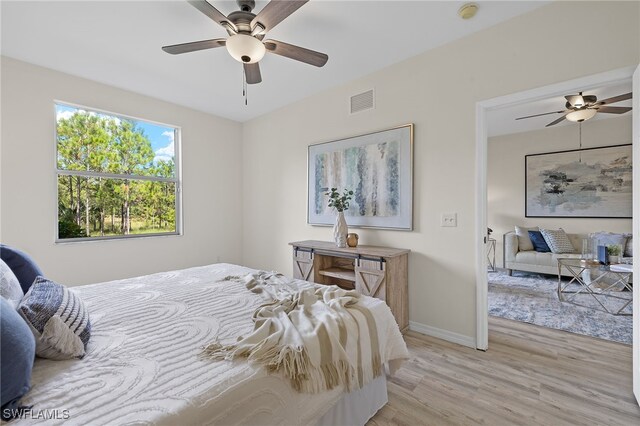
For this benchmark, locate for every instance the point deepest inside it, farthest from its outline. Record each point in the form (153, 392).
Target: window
(118, 177)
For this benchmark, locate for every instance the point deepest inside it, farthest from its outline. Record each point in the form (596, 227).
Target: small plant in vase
(340, 203)
(614, 253)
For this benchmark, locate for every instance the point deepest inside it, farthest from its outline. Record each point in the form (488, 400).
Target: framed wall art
(588, 183)
(377, 167)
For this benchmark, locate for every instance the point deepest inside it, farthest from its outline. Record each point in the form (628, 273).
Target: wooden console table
(380, 272)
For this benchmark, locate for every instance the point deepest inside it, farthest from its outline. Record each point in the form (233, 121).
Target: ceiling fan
(583, 107)
(246, 32)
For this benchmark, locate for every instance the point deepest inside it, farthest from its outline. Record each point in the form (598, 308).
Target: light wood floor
(530, 375)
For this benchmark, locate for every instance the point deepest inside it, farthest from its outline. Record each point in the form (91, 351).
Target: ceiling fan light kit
(581, 115)
(245, 48)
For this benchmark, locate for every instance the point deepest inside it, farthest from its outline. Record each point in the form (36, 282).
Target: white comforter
(143, 364)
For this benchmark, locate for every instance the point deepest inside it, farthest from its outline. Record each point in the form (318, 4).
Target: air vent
(362, 101)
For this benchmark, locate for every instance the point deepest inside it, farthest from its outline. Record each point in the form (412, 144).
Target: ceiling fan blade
(538, 115)
(275, 12)
(575, 100)
(613, 110)
(212, 13)
(176, 49)
(252, 73)
(297, 53)
(615, 99)
(553, 123)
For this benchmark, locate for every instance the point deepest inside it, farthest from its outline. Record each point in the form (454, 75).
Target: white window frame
(177, 179)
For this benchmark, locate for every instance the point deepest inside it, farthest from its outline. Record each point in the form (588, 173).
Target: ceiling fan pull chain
(246, 89)
(580, 135)
(580, 152)
(244, 86)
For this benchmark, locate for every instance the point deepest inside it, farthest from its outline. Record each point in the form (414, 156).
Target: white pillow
(557, 240)
(10, 286)
(524, 242)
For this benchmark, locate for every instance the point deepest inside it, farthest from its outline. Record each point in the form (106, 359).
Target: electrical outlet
(449, 219)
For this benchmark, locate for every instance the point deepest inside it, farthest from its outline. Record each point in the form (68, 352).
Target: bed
(143, 362)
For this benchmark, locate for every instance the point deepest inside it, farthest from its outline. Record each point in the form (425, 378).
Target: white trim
(580, 84)
(115, 238)
(440, 333)
(636, 231)
(482, 285)
(116, 114)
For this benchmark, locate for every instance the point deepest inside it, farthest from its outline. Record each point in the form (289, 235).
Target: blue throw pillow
(17, 352)
(58, 319)
(539, 244)
(22, 265)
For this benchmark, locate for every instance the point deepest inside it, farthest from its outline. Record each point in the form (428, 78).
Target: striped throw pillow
(58, 319)
(557, 240)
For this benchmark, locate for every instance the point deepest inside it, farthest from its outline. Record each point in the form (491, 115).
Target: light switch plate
(449, 219)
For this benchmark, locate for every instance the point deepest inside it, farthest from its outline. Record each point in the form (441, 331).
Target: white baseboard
(439, 333)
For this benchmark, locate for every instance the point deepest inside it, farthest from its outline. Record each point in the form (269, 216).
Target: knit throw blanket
(319, 338)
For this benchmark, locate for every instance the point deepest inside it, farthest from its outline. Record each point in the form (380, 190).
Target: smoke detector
(468, 11)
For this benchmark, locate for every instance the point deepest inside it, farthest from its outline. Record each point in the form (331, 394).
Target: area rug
(533, 298)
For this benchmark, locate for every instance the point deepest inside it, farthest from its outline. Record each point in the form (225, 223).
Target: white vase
(340, 231)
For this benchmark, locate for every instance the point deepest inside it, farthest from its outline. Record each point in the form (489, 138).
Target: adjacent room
(536, 159)
(276, 212)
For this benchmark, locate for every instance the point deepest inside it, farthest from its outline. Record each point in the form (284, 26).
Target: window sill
(115, 238)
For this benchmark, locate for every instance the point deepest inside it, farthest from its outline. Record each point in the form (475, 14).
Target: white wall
(437, 91)
(505, 177)
(211, 155)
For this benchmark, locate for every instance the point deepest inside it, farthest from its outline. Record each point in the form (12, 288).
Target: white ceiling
(503, 121)
(118, 43)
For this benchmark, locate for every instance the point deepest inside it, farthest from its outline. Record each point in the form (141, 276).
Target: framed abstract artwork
(588, 183)
(377, 167)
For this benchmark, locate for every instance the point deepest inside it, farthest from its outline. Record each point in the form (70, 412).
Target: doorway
(483, 109)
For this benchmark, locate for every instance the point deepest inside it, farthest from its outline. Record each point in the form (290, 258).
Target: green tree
(83, 144)
(133, 155)
(165, 195)
(156, 199)
(98, 143)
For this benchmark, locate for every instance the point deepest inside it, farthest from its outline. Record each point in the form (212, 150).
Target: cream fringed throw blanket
(320, 337)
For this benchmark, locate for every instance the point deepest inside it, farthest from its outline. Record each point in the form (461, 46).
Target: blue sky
(161, 137)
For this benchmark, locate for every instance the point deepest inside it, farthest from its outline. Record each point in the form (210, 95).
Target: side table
(381, 272)
(491, 254)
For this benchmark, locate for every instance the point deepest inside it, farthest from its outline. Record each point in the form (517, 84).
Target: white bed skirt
(357, 407)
